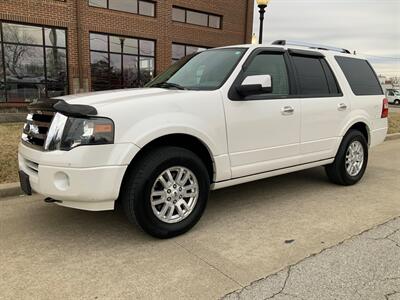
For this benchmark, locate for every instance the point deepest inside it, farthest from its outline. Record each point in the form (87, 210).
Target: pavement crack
(322, 251)
(289, 270)
(210, 265)
(387, 296)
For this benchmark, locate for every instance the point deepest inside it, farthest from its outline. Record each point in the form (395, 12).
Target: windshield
(206, 70)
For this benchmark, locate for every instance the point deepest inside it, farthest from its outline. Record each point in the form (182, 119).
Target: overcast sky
(371, 27)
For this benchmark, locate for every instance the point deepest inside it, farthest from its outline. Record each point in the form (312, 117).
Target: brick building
(54, 47)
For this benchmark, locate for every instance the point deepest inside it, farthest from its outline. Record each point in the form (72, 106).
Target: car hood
(104, 98)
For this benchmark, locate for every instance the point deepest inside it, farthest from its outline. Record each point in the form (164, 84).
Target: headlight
(68, 133)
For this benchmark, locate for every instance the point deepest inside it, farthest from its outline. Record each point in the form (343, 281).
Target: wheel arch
(363, 128)
(183, 140)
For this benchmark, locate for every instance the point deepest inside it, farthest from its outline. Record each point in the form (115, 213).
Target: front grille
(36, 128)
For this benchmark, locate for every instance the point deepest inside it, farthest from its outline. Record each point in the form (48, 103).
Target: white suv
(393, 96)
(215, 119)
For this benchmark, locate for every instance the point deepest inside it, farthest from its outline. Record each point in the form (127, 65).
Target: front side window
(120, 62)
(360, 75)
(206, 70)
(274, 65)
(141, 7)
(33, 62)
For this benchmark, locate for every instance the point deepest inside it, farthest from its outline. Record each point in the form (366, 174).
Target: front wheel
(166, 192)
(397, 102)
(351, 160)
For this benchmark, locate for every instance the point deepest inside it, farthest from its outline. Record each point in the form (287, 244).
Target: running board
(240, 180)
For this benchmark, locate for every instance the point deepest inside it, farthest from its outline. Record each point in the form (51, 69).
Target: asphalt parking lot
(394, 108)
(247, 233)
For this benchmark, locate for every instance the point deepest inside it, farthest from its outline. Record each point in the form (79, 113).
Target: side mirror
(255, 84)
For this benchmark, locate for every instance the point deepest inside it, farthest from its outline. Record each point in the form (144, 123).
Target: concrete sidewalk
(366, 266)
(247, 232)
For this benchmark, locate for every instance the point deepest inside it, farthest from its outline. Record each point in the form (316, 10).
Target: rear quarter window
(360, 75)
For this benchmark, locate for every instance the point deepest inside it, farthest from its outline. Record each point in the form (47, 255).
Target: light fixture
(254, 39)
(262, 4)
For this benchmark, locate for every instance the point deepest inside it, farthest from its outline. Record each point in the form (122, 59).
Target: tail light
(385, 108)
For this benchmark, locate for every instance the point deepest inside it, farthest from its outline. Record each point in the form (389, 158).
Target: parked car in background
(217, 118)
(393, 96)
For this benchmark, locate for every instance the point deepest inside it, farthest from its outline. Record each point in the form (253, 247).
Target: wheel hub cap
(174, 194)
(354, 158)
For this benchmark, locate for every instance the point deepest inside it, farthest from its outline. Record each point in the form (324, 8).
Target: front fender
(151, 128)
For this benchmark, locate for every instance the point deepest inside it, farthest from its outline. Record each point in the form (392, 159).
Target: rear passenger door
(324, 108)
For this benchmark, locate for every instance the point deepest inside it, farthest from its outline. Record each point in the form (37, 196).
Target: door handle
(287, 110)
(342, 106)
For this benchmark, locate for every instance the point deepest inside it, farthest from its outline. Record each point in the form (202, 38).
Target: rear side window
(314, 76)
(360, 75)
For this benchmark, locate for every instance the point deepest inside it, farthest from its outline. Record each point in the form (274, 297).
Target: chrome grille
(36, 128)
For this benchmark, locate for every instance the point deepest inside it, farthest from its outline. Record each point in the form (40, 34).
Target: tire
(397, 102)
(337, 172)
(143, 181)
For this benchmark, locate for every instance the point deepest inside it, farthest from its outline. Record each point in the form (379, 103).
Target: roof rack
(311, 46)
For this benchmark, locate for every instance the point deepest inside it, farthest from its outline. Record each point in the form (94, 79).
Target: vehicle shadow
(114, 226)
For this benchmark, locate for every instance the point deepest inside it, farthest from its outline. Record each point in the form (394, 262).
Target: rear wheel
(397, 102)
(351, 160)
(166, 192)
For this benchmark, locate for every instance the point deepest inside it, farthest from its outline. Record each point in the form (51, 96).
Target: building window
(197, 18)
(33, 62)
(120, 62)
(180, 50)
(141, 7)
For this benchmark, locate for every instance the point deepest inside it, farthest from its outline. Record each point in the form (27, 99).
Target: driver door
(263, 128)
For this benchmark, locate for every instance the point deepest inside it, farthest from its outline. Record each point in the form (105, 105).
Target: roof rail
(309, 45)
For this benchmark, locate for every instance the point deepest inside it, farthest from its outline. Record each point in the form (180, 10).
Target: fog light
(61, 181)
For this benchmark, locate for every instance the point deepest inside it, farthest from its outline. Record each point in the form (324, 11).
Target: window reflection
(16, 33)
(119, 66)
(35, 68)
(124, 5)
(180, 50)
(141, 7)
(24, 63)
(55, 37)
(197, 18)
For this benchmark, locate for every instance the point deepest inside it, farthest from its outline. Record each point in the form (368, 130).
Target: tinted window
(124, 5)
(54, 37)
(360, 75)
(141, 7)
(35, 67)
(146, 9)
(120, 62)
(332, 82)
(310, 76)
(179, 51)
(196, 17)
(274, 65)
(215, 22)
(178, 14)
(98, 3)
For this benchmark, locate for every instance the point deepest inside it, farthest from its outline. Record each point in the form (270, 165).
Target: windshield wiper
(167, 85)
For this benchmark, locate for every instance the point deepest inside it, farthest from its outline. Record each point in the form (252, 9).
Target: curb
(14, 189)
(12, 117)
(392, 136)
(10, 190)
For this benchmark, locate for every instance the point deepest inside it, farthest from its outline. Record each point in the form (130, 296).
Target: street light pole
(262, 5)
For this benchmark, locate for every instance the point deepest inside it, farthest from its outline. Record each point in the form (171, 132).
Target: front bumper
(87, 178)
